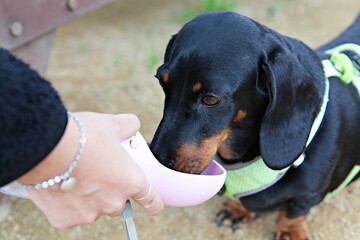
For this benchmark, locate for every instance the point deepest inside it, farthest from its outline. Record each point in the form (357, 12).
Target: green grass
(117, 61)
(153, 59)
(275, 8)
(84, 48)
(208, 6)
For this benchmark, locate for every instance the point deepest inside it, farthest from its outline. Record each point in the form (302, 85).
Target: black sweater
(32, 118)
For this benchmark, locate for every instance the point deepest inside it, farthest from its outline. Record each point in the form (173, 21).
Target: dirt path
(105, 62)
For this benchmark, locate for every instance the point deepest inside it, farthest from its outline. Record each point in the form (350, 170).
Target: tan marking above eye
(196, 87)
(166, 77)
(240, 116)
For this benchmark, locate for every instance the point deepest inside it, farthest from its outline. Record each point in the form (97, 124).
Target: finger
(128, 124)
(114, 208)
(150, 200)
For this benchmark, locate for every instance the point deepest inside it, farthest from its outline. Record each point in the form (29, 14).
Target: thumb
(149, 200)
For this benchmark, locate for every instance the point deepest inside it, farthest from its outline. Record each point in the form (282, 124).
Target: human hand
(106, 175)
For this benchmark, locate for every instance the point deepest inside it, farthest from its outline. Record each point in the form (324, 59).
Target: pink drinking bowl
(176, 189)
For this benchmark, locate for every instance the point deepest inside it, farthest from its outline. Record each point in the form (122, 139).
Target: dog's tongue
(213, 169)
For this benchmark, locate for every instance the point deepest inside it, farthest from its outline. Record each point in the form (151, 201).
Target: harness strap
(254, 177)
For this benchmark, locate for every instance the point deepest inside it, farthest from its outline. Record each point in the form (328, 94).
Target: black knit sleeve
(32, 118)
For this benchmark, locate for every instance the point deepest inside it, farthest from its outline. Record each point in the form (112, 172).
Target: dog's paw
(291, 229)
(233, 215)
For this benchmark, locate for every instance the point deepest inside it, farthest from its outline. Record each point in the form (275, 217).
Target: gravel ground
(105, 62)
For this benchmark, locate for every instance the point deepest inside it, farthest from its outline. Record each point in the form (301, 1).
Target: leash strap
(129, 222)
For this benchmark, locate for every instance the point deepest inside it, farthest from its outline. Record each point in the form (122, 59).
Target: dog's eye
(210, 100)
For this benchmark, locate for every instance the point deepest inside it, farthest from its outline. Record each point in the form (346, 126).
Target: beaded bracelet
(67, 182)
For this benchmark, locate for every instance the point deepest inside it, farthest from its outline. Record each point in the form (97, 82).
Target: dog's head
(236, 88)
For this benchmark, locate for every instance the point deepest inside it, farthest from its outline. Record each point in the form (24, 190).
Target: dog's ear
(168, 48)
(293, 104)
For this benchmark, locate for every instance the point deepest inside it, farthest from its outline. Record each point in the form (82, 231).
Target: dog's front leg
(292, 222)
(291, 228)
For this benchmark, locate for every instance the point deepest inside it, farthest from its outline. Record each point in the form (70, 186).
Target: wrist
(58, 160)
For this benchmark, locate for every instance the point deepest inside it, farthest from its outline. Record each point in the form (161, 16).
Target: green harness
(243, 179)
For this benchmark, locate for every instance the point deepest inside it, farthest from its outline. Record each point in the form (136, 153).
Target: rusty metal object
(31, 25)
(36, 53)
(38, 17)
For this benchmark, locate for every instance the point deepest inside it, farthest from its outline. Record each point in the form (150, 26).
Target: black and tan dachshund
(235, 88)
